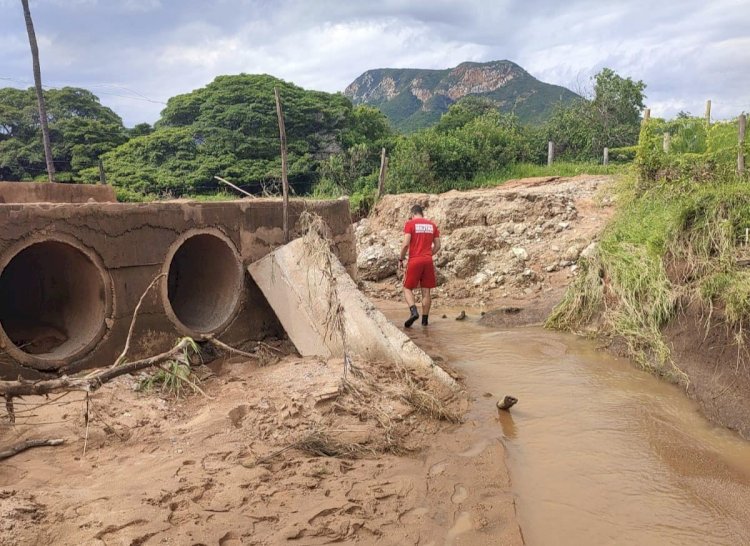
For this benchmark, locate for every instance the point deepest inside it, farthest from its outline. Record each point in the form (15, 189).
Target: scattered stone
(377, 262)
(445, 316)
(461, 315)
(520, 253)
(572, 252)
(551, 268)
(589, 251)
(479, 279)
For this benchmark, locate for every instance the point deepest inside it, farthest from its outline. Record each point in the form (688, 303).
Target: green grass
(174, 378)
(732, 289)
(562, 168)
(517, 171)
(623, 289)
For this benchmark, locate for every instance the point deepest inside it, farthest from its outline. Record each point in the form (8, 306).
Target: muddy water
(599, 452)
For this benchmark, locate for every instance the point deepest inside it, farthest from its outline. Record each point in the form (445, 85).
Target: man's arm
(404, 249)
(435, 245)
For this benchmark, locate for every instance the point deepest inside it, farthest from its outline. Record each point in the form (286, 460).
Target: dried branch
(121, 358)
(90, 383)
(28, 444)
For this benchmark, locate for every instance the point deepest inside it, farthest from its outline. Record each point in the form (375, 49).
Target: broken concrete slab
(305, 288)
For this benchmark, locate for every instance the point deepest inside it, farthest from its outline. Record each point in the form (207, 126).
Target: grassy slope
(692, 232)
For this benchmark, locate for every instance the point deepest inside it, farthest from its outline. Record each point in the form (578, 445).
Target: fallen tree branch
(28, 444)
(90, 383)
(228, 348)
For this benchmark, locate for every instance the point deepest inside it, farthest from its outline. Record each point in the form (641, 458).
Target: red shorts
(419, 272)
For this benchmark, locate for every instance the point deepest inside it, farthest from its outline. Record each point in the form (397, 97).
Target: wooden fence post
(742, 121)
(667, 142)
(550, 153)
(708, 112)
(102, 176)
(381, 176)
(605, 159)
(284, 180)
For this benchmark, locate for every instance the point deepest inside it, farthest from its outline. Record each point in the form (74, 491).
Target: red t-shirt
(423, 232)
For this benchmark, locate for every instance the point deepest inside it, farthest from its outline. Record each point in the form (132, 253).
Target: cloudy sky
(135, 54)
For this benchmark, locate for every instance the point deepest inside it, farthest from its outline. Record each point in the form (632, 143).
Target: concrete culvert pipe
(53, 302)
(204, 283)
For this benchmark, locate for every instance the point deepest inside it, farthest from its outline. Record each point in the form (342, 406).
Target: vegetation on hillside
(517, 92)
(229, 128)
(681, 225)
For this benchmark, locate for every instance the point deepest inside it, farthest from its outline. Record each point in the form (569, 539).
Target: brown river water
(599, 451)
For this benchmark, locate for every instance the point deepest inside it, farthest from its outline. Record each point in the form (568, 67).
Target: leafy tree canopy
(81, 130)
(611, 119)
(230, 128)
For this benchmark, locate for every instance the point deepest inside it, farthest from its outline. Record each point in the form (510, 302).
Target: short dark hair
(417, 209)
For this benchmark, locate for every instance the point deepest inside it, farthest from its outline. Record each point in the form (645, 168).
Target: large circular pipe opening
(204, 283)
(53, 301)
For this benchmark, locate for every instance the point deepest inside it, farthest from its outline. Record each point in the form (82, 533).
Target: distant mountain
(414, 98)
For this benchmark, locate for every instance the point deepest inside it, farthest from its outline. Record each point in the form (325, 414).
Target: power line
(140, 97)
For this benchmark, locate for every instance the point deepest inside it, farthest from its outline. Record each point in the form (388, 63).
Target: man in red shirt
(421, 241)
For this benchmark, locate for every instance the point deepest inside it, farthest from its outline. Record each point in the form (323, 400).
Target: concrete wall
(71, 276)
(45, 192)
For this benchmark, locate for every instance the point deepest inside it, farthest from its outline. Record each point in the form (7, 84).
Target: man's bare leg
(426, 304)
(409, 296)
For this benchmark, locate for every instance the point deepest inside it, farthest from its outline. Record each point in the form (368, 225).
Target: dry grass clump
(432, 406)
(381, 409)
(321, 444)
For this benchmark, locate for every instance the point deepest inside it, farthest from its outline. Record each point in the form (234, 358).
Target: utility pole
(284, 180)
(39, 93)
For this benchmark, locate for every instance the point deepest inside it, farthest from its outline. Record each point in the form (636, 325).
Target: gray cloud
(135, 54)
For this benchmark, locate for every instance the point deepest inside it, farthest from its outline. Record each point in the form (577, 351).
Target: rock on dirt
(517, 240)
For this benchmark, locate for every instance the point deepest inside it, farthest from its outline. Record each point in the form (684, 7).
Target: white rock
(589, 251)
(572, 252)
(479, 279)
(519, 253)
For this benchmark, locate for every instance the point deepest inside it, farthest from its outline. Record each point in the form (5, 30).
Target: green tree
(229, 128)
(617, 106)
(582, 129)
(464, 111)
(81, 130)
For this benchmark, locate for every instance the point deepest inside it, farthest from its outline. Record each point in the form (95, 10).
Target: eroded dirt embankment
(512, 249)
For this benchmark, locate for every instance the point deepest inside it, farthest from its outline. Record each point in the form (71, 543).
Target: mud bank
(245, 464)
(705, 348)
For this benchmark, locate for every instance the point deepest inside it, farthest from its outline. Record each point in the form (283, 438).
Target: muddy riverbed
(599, 452)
